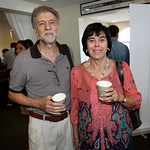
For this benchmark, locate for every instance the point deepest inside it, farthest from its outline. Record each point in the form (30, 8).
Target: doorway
(118, 17)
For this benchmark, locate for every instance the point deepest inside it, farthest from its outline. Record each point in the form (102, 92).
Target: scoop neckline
(92, 77)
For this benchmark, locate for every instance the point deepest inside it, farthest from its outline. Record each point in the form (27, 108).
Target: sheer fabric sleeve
(74, 96)
(130, 86)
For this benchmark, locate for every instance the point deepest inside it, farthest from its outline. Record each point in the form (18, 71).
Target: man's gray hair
(41, 9)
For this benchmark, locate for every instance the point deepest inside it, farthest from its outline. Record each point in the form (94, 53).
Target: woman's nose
(96, 43)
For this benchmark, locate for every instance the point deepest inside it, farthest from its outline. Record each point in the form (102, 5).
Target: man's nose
(47, 25)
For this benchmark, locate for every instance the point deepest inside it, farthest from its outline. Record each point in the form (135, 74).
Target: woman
(21, 46)
(101, 124)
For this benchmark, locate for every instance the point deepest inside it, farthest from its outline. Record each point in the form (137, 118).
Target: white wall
(83, 22)
(69, 32)
(140, 56)
(5, 38)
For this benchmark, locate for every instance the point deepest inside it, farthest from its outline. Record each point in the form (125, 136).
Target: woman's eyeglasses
(57, 82)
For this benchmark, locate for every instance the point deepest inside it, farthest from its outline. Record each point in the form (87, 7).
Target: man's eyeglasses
(57, 82)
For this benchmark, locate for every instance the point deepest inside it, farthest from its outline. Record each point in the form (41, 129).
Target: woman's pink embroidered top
(101, 125)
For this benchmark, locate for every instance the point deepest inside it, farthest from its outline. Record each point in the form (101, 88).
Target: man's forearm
(24, 100)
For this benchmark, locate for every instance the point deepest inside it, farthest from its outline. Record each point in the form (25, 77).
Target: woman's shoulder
(124, 64)
(79, 69)
(81, 66)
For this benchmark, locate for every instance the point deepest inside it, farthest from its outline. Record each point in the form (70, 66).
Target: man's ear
(35, 31)
(58, 28)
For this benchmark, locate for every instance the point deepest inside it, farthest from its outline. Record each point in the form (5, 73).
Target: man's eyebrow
(47, 20)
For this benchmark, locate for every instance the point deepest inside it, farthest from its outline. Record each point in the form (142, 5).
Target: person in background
(44, 70)
(8, 59)
(0, 63)
(9, 56)
(2, 60)
(21, 45)
(119, 51)
(101, 124)
(29, 42)
(4, 51)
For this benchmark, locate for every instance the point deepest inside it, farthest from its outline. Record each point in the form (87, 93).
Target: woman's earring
(86, 50)
(108, 50)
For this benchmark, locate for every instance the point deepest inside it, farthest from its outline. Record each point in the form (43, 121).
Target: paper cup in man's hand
(60, 98)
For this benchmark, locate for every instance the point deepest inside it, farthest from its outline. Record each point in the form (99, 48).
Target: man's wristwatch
(124, 100)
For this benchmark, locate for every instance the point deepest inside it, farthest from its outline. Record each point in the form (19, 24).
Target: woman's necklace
(98, 76)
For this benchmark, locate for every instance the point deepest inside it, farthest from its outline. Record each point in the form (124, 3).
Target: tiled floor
(13, 129)
(142, 142)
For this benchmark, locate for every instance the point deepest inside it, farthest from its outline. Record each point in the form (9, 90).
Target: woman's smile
(97, 51)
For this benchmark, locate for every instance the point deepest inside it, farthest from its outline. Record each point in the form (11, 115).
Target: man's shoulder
(24, 55)
(121, 45)
(26, 52)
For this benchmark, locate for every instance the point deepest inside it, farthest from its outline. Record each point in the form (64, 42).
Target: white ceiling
(28, 6)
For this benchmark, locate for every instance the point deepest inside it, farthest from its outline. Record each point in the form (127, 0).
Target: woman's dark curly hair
(95, 28)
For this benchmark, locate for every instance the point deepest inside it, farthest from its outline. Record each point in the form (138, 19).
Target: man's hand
(44, 103)
(51, 107)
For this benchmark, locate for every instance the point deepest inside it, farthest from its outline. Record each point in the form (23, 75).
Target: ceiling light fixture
(103, 5)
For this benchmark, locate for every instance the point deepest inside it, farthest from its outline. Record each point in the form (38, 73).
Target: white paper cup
(102, 86)
(60, 98)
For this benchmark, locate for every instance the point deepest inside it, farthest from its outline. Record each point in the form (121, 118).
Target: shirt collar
(35, 53)
(113, 39)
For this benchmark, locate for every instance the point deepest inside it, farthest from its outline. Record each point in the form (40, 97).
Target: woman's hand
(76, 138)
(76, 143)
(112, 95)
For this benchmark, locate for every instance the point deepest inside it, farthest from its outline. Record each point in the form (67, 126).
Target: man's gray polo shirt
(37, 74)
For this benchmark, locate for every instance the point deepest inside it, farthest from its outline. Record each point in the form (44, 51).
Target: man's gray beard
(48, 42)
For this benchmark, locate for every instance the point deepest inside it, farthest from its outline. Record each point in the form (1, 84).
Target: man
(119, 51)
(9, 56)
(44, 70)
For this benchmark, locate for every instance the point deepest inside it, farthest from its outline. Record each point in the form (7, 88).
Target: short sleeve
(18, 77)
